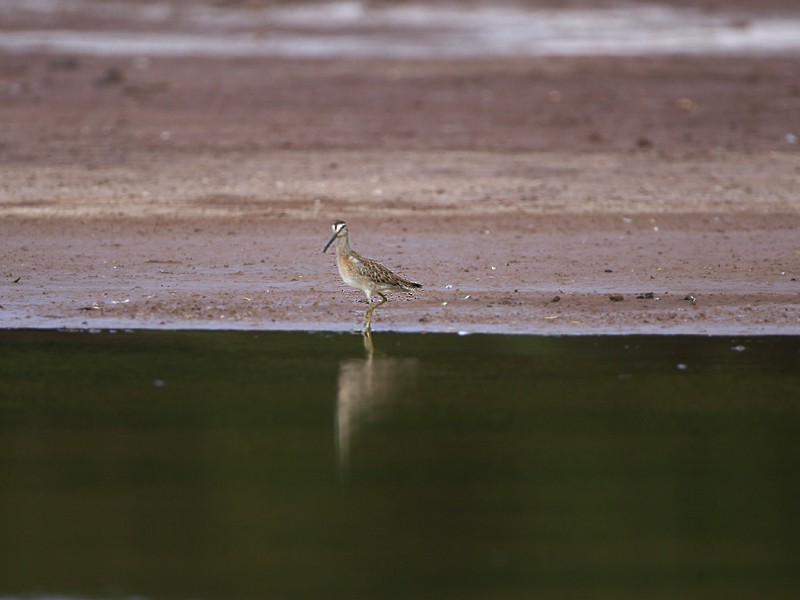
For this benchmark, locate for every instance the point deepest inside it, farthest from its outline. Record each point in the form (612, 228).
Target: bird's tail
(409, 285)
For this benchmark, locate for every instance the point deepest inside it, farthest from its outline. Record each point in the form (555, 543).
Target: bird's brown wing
(376, 272)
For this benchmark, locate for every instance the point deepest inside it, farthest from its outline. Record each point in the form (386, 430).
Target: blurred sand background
(179, 163)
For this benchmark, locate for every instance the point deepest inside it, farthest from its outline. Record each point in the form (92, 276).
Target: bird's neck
(343, 244)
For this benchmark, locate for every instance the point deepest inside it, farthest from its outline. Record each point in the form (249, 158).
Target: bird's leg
(367, 329)
(368, 313)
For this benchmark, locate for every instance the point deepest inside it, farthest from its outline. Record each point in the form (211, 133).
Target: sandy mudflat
(522, 192)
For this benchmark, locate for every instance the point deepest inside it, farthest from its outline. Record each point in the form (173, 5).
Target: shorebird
(364, 274)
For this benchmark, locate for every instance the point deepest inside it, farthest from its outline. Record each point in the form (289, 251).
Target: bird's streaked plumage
(363, 273)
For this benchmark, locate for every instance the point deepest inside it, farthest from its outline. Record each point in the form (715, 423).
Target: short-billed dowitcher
(364, 274)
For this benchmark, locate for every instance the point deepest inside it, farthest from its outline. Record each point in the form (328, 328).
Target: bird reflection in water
(366, 387)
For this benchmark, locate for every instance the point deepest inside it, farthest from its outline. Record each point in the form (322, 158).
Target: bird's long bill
(330, 242)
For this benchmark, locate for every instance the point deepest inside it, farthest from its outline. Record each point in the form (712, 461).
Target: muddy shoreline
(197, 193)
(684, 274)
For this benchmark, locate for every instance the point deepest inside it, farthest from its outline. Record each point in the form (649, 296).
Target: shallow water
(298, 465)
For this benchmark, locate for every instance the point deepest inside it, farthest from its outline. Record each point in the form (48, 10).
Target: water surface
(294, 465)
(411, 30)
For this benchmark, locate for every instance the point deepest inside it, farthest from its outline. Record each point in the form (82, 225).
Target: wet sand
(523, 193)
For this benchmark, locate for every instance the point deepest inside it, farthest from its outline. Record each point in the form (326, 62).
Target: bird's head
(339, 230)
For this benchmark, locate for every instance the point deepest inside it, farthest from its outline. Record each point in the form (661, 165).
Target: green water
(289, 465)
